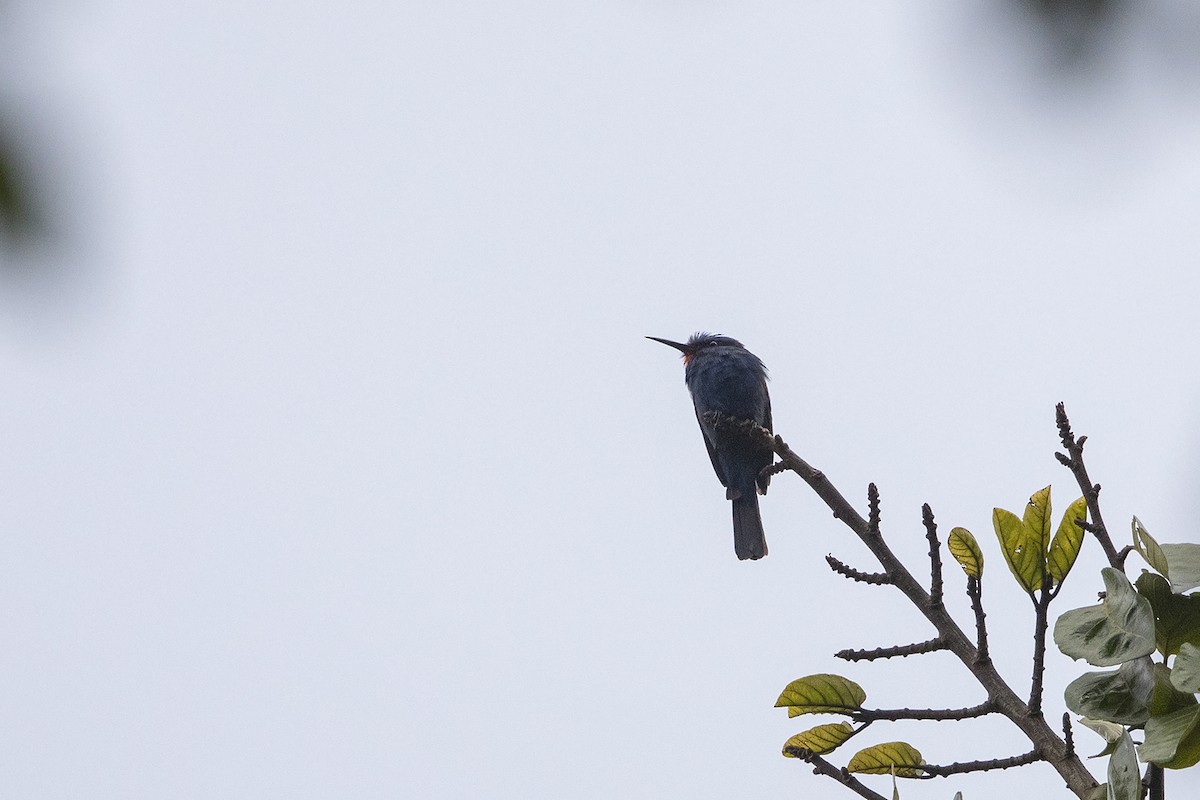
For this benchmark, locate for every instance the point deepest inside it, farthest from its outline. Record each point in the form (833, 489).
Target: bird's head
(698, 342)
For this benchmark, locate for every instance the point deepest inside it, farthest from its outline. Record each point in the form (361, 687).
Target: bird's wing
(764, 480)
(712, 453)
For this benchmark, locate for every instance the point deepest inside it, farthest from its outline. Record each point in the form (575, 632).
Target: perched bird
(723, 376)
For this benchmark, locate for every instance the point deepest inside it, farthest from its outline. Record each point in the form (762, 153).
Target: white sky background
(335, 464)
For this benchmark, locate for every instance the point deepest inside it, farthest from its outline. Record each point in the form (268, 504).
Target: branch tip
(846, 571)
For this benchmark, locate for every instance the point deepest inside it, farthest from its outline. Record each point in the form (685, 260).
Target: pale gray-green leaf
(1111, 732)
(1184, 565)
(1148, 548)
(1173, 740)
(1185, 672)
(1124, 779)
(1122, 695)
(1113, 632)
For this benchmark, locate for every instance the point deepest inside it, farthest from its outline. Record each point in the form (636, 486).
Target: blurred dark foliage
(1075, 26)
(19, 219)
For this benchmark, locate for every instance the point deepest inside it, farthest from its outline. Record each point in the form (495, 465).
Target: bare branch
(873, 515)
(876, 578)
(935, 771)
(1045, 740)
(935, 556)
(975, 592)
(873, 715)
(1073, 460)
(1041, 622)
(918, 648)
(774, 469)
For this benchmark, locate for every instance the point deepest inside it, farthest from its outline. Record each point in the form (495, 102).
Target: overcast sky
(335, 463)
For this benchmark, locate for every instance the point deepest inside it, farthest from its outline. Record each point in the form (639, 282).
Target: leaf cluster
(1159, 614)
(1133, 622)
(833, 694)
(1035, 558)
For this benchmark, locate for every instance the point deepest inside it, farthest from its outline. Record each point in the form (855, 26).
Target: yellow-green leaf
(1067, 541)
(821, 739)
(821, 694)
(1037, 518)
(1149, 549)
(896, 758)
(1020, 547)
(966, 552)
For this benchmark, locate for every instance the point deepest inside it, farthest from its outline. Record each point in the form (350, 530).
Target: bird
(724, 377)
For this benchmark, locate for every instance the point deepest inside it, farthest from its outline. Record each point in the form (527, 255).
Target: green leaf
(1178, 563)
(897, 758)
(821, 739)
(1067, 541)
(1037, 519)
(966, 552)
(1110, 731)
(1124, 778)
(1185, 673)
(1184, 561)
(1173, 740)
(1148, 548)
(1117, 630)
(1122, 695)
(1099, 793)
(1021, 549)
(821, 694)
(1166, 698)
(1176, 616)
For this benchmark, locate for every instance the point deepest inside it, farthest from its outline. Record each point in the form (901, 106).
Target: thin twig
(876, 578)
(893, 714)
(873, 515)
(1068, 736)
(957, 768)
(1073, 460)
(975, 592)
(1040, 625)
(935, 555)
(774, 469)
(917, 648)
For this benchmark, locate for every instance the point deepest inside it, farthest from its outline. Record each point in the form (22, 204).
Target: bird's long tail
(749, 541)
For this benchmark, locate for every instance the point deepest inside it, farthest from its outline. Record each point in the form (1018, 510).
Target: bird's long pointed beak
(683, 348)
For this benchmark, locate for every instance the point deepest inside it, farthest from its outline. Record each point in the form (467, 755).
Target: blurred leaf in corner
(20, 222)
(1076, 26)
